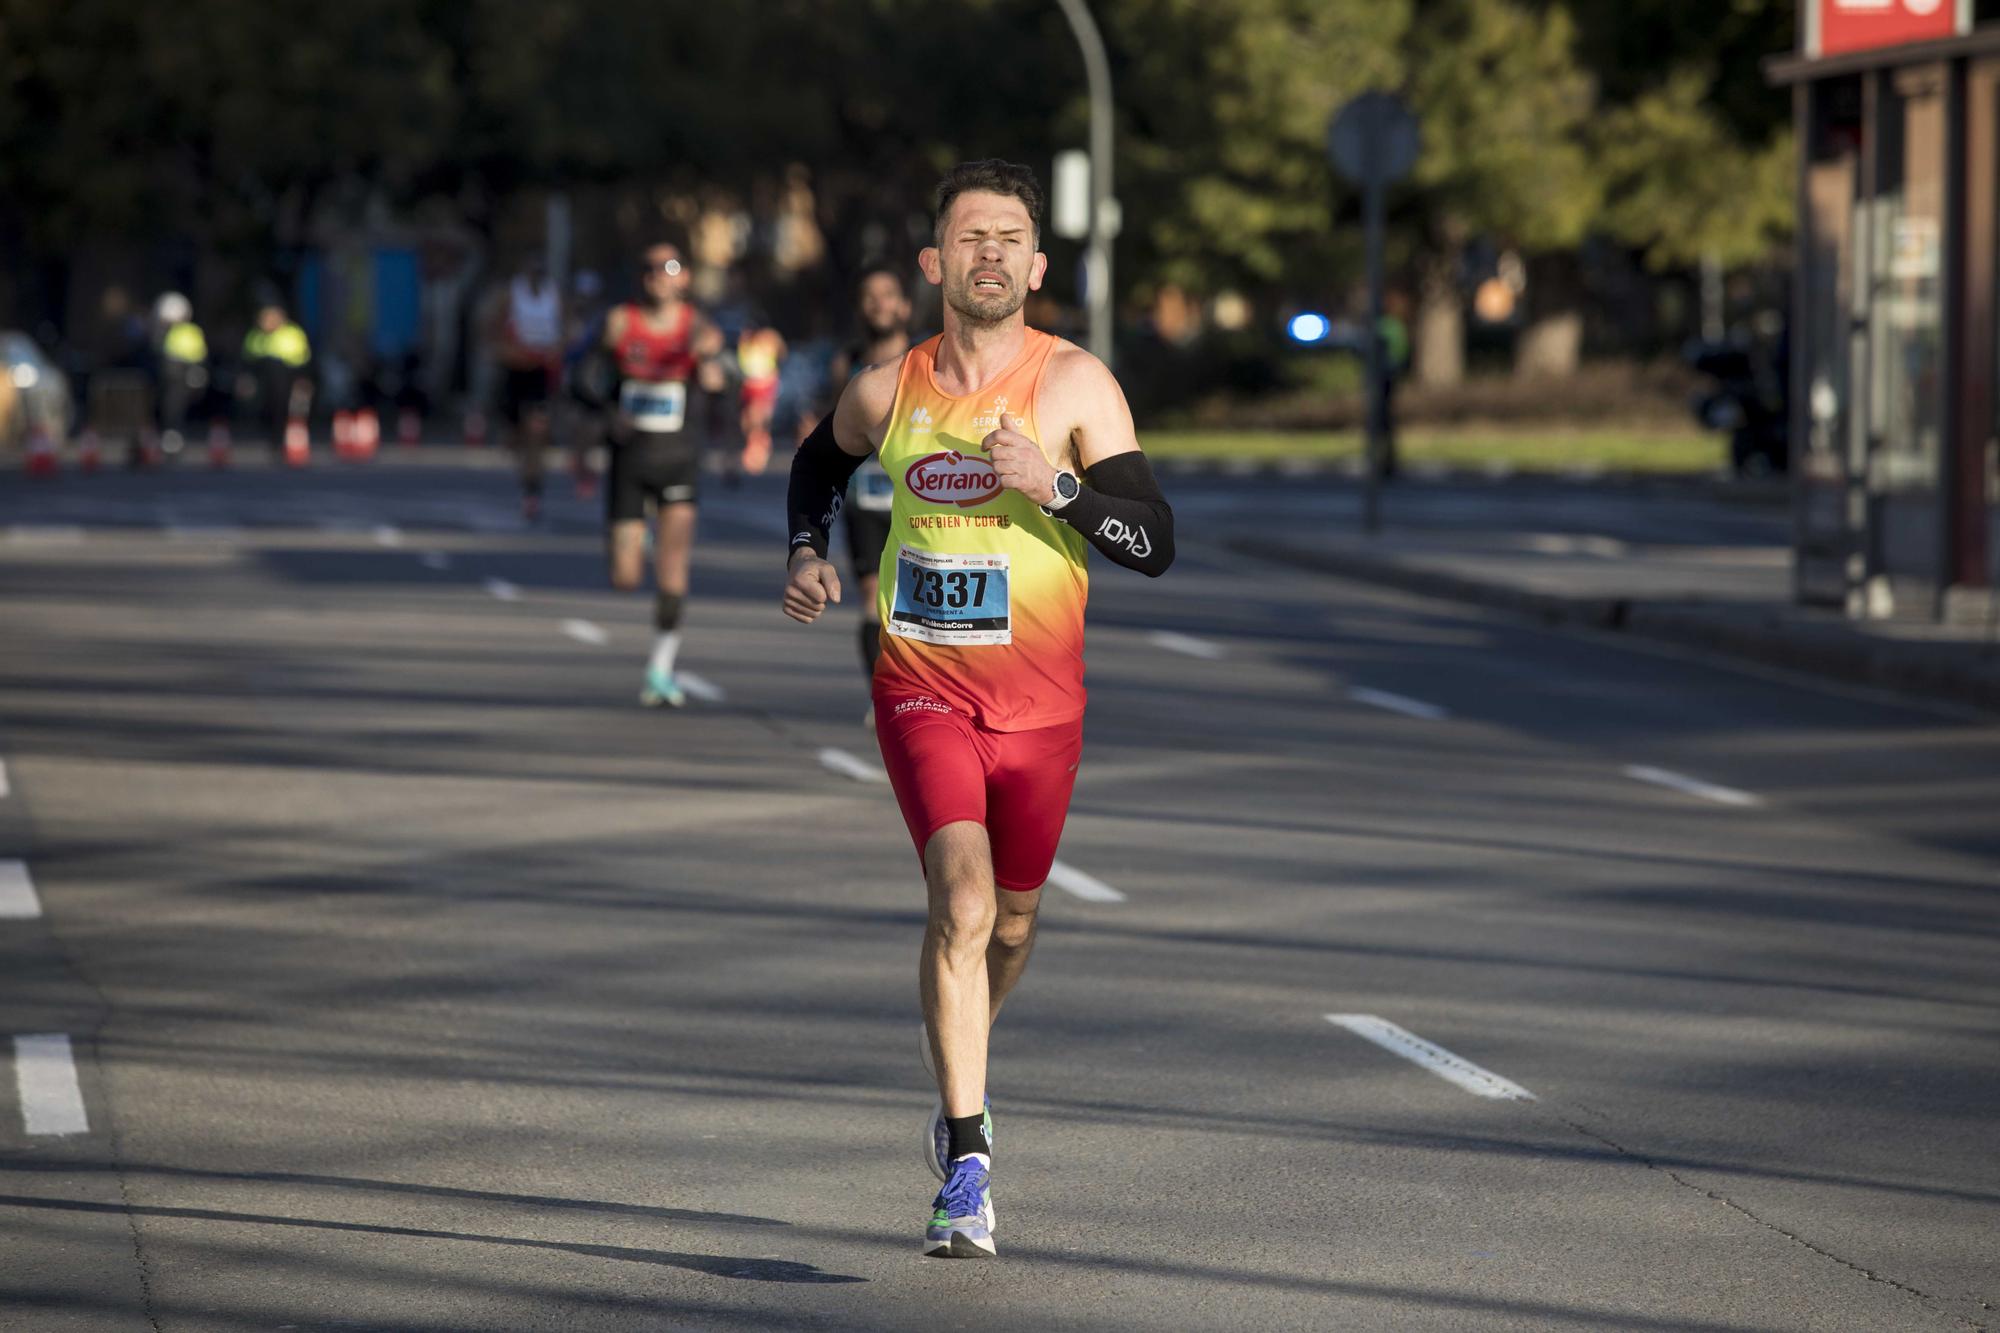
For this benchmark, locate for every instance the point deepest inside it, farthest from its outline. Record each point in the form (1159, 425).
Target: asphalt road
(412, 977)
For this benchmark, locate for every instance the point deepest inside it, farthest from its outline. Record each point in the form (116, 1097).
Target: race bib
(655, 408)
(873, 490)
(951, 599)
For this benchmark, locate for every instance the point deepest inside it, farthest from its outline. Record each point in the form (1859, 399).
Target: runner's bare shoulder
(1080, 399)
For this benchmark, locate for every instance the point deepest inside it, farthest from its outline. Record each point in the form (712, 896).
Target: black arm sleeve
(1123, 514)
(820, 473)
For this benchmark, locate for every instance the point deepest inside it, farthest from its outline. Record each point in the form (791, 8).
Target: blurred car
(33, 392)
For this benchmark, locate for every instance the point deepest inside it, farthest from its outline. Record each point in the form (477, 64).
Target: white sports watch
(1067, 488)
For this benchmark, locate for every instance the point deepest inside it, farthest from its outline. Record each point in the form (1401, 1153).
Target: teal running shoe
(662, 691)
(961, 1225)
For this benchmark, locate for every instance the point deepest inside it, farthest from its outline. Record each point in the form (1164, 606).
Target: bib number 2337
(952, 599)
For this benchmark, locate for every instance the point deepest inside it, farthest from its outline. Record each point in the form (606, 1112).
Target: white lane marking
(436, 560)
(18, 901)
(1453, 1069)
(1398, 703)
(44, 534)
(1087, 887)
(1681, 782)
(1186, 643)
(388, 534)
(585, 632)
(504, 590)
(700, 687)
(848, 766)
(5, 790)
(51, 1098)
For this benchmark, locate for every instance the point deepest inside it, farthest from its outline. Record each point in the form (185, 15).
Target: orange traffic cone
(343, 434)
(41, 453)
(409, 427)
(218, 444)
(88, 451)
(298, 444)
(367, 436)
(475, 427)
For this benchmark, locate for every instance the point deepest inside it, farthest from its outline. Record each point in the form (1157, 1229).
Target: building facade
(1895, 433)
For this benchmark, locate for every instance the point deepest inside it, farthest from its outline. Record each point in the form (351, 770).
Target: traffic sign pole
(1373, 142)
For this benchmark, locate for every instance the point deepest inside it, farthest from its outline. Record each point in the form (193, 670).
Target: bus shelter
(1895, 430)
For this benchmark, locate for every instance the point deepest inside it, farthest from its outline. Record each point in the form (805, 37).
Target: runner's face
(663, 274)
(884, 308)
(985, 259)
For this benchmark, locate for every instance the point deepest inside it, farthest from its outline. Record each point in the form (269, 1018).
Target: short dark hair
(894, 275)
(989, 176)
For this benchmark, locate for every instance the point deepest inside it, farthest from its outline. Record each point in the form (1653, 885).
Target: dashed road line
(1681, 782)
(1451, 1068)
(700, 687)
(1187, 644)
(585, 632)
(44, 534)
(850, 766)
(435, 560)
(1398, 703)
(503, 590)
(18, 900)
(51, 1097)
(388, 534)
(1087, 887)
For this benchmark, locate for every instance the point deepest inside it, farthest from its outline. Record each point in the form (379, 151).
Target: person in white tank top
(529, 338)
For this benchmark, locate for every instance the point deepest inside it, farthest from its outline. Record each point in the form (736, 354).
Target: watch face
(1066, 486)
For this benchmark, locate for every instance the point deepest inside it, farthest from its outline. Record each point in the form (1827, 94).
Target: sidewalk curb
(1833, 651)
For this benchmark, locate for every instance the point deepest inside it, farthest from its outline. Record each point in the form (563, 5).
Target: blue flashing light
(1309, 327)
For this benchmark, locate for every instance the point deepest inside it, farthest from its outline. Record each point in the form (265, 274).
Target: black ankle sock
(968, 1134)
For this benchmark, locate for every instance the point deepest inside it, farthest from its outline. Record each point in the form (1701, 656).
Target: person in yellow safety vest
(276, 353)
(183, 367)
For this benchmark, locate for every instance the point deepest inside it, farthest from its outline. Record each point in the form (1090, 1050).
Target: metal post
(1378, 424)
(1097, 251)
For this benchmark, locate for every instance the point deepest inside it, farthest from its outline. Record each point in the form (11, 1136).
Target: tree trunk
(1550, 345)
(1438, 354)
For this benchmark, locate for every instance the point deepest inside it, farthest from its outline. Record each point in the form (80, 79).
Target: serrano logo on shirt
(952, 478)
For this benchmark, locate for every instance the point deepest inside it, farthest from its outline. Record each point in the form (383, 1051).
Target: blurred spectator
(182, 367)
(277, 374)
(759, 353)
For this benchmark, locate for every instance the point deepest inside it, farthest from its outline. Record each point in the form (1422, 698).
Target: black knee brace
(667, 611)
(871, 644)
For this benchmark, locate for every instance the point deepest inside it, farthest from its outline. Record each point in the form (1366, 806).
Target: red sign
(1834, 27)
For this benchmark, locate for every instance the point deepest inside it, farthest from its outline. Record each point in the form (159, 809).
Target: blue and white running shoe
(961, 1225)
(662, 691)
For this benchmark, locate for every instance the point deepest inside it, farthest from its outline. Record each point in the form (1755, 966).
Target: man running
(884, 309)
(530, 338)
(659, 345)
(979, 689)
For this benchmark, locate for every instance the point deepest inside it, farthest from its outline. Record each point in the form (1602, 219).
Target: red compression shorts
(946, 768)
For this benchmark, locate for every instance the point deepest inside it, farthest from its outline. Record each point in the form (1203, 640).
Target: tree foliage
(1541, 121)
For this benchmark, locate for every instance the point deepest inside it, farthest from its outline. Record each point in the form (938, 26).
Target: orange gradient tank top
(981, 594)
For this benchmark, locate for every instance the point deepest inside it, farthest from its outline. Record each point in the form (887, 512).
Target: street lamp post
(1097, 251)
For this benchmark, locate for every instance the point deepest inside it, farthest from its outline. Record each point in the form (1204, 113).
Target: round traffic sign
(1373, 139)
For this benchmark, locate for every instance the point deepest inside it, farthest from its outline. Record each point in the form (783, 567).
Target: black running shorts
(524, 391)
(867, 534)
(665, 469)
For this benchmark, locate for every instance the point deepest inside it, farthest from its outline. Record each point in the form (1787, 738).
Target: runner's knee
(963, 924)
(1013, 930)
